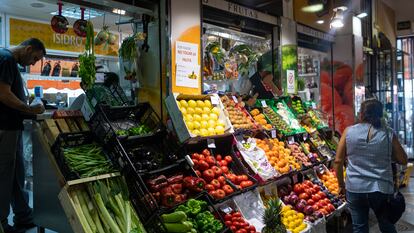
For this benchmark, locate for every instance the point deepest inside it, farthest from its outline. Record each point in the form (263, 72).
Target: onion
(308, 210)
(286, 199)
(293, 198)
(318, 214)
(300, 206)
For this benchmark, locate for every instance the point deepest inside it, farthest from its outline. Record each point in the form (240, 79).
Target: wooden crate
(67, 202)
(53, 127)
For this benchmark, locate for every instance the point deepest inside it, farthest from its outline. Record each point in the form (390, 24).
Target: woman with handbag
(369, 148)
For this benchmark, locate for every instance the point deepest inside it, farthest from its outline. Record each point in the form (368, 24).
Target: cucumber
(175, 217)
(177, 227)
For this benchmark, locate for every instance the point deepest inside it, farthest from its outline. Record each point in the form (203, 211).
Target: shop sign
(314, 33)
(241, 10)
(187, 67)
(404, 25)
(290, 77)
(21, 30)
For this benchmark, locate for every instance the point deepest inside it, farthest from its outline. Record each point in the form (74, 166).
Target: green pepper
(196, 206)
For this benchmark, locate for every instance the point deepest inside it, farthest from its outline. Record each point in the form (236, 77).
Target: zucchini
(177, 227)
(175, 217)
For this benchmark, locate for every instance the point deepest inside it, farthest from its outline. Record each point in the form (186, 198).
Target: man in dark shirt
(13, 107)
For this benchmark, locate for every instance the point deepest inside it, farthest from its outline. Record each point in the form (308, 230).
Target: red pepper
(168, 199)
(158, 187)
(177, 188)
(166, 190)
(179, 198)
(175, 179)
(157, 196)
(158, 180)
(199, 185)
(188, 182)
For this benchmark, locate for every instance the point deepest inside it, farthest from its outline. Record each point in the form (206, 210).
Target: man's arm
(8, 98)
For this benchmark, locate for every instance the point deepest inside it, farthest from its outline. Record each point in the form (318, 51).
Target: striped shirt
(369, 161)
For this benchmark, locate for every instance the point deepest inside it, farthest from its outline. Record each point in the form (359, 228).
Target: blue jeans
(360, 203)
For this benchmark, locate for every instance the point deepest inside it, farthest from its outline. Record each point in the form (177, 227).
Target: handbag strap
(394, 167)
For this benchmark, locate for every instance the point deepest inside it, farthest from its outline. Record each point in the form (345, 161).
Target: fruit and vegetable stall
(219, 166)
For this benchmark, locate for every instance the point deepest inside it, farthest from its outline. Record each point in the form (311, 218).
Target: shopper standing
(369, 147)
(13, 107)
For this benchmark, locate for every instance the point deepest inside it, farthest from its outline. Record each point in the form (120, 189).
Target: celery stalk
(84, 205)
(81, 216)
(97, 221)
(128, 217)
(105, 214)
(120, 201)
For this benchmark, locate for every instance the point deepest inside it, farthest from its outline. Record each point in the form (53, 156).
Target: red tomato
(252, 228)
(236, 214)
(316, 197)
(246, 183)
(312, 190)
(326, 201)
(208, 175)
(233, 228)
(216, 184)
(232, 177)
(220, 193)
(225, 169)
(330, 207)
(236, 219)
(322, 194)
(218, 158)
(196, 156)
(298, 189)
(241, 178)
(210, 160)
(222, 180)
(228, 158)
(309, 192)
(323, 211)
(206, 152)
(210, 187)
(196, 163)
(241, 231)
(217, 171)
(317, 188)
(321, 205)
(203, 165)
(310, 202)
(223, 163)
(304, 196)
(315, 206)
(228, 189)
(227, 217)
(228, 223)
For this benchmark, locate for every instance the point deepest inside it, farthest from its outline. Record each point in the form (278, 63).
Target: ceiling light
(337, 19)
(362, 15)
(118, 11)
(320, 21)
(313, 8)
(75, 13)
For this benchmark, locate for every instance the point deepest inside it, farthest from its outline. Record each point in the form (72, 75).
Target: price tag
(291, 140)
(295, 178)
(321, 169)
(264, 103)
(211, 143)
(214, 100)
(239, 137)
(305, 136)
(226, 209)
(273, 132)
(235, 99)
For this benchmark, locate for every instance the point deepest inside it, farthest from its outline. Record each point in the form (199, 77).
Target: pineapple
(272, 217)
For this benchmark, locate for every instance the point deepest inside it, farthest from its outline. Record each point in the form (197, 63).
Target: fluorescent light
(313, 8)
(362, 15)
(75, 13)
(337, 23)
(118, 11)
(320, 21)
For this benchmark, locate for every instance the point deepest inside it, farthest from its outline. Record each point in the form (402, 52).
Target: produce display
(297, 106)
(272, 217)
(237, 223)
(279, 156)
(87, 160)
(149, 157)
(277, 121)
(329, 181)
(293, 220)
(221, 181)
(261, 119)
(334, 199)
(104, 206)
(237, 115)
(134, 131)
(288, 117)
(193, 216)
(299, 155)
(87, 59)
(322, 146)
(201, 118)
(173, 190)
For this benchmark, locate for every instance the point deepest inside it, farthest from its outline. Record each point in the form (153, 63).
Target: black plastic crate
(65, 140)
(225, 146)
(107, 121)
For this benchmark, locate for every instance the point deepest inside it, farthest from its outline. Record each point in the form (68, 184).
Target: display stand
(48, 212)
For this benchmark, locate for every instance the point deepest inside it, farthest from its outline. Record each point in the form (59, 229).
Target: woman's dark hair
(111, 79)
(371, 112)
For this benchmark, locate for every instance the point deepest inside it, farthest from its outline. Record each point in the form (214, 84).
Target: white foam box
(177, 118)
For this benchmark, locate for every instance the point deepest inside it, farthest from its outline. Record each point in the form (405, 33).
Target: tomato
(222, 180)
(227, 217)
(198, 173)
(218, 158)
(298, 189)
(220, 193)
(310, 202)
(304, 196)
(223, 163)
(312, 190)
(203, 165)
(196, 163)
(321, 205)
(206, 152)
(236, 219)
(241, 178)
(246, 183)
(316, 197)
(241, 231)
(228, 158)
(228, 223)
(216, 184)
(236, 214)
(232, 177)
(309, 192)
(210, 160)
(323, 211)
(307, 182)
(225, 169)
(322, 194)
(233, 228)
(326, 201)
(208, 175)
(210, 187)
(315, 206)
(197, 156)
(317, 188)
(217, 171)
(330, 207)
(252, 228)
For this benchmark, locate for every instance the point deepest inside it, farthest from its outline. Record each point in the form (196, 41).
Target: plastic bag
(256, 159)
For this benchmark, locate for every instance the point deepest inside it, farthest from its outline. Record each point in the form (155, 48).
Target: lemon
(211, 131)
(190, 125)
(298, 222)
(192, 103)
(221, 122)
(206, 110)
(295, 231)
(291, 213)
(197, 117)
(196, 132)
(189, 117)
(200, 103)
(198, 110)
(196, 124)
(286, 208)
(302, 226)
(207, 103)
(204, 124)
(183, 103)
(203, 132)
(190, 110)
(205, 117)
(292, 225)
(211, 123)
(213, 117)
(183, 110)
(178, 104)
(219, 129)
(215, 110)
(301, 216)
